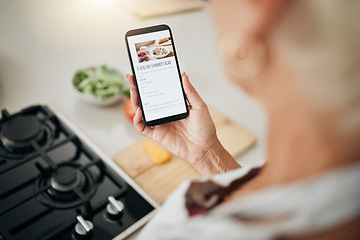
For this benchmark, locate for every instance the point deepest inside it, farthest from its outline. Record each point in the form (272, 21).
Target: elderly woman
(300, 60)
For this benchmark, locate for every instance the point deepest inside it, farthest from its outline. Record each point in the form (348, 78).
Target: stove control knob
(114, 207)
(83, 227)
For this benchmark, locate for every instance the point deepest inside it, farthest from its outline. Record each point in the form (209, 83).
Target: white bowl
(160, 56)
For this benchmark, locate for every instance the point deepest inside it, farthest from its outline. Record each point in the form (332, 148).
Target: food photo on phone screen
(154, 49)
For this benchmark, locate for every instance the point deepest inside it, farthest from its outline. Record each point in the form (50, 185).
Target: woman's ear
(243, 47)
(242, 37)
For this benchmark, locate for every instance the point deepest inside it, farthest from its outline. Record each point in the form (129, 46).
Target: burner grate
(18, 145)
(75, 196)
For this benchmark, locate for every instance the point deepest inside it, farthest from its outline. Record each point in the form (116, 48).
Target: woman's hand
(193, 138)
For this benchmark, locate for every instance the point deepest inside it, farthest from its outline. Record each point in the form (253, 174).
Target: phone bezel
(151, 29)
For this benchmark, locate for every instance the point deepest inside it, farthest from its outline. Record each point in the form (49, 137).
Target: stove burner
(19, 131)
(66, 179)
(67, 187)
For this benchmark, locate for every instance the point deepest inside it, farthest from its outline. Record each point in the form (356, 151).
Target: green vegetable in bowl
(100, 82)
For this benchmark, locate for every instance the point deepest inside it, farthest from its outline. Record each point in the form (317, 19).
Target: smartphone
(156, 74)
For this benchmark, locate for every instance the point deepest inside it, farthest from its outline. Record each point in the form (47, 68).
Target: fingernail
(183, 74)
(138, 109)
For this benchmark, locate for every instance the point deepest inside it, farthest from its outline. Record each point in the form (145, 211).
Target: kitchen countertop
(43, 42)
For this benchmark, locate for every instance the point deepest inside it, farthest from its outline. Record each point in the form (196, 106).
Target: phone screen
(157, 75)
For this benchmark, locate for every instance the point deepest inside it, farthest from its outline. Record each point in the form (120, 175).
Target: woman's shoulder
(327, 201)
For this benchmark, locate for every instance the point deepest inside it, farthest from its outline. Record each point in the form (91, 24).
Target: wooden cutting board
(160, 180)
(153, 8)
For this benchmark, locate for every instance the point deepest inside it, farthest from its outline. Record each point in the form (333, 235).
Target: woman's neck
(301, 144)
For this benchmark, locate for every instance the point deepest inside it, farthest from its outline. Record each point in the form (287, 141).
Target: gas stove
(55, 184)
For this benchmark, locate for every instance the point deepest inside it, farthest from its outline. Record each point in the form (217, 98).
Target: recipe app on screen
(157, 75)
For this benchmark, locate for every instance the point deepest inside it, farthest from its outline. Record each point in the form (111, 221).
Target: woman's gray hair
(321, 39)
